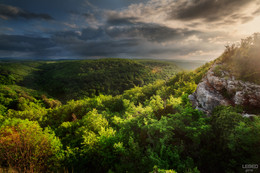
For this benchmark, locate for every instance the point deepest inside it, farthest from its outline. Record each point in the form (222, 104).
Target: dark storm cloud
(36, 46)
(89, 43)
(158, 33)
(115, 48)
(174, 51)
(7, 12)
(85, 34)
(89, 16)
(113, 20)
(137, 38)
(117, 36)
(96, 31)
(118, 27)
(92, 33)
(105, 48)
(209, 10)
(151, 32)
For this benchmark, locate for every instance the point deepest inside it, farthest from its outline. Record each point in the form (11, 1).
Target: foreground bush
(26, 147)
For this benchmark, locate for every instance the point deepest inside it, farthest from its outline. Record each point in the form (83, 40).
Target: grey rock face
(213, 91)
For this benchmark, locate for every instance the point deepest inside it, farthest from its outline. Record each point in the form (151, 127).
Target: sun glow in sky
(162, 29)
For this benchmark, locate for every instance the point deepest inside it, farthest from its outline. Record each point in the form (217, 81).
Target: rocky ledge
(213, 91)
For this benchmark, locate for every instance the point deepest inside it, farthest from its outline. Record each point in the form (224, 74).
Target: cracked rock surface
(213, 91)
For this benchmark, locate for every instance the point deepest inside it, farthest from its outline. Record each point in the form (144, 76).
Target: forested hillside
(149, 128)
(66, 80)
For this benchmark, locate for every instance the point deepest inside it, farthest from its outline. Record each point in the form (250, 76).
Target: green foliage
(19, 102)
(148, 125)
(242, 61)
(6, 79)
(66, 80)
(27, 148)
(51, 103)
(218, 71)
(2, 109)
(234, 140)
(157, 170)
(181, 83)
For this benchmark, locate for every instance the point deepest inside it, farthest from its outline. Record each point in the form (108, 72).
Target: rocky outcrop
(213, 91)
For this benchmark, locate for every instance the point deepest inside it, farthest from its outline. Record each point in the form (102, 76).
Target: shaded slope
(66, 80)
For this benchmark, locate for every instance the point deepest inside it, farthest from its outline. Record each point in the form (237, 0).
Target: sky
(153, 29)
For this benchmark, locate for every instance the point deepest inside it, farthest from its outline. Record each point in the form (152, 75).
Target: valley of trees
(66, 80)
(132, 122)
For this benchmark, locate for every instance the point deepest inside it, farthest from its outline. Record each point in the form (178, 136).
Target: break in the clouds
(167, 29)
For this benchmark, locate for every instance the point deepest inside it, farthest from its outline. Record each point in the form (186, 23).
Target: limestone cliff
(224, 89)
